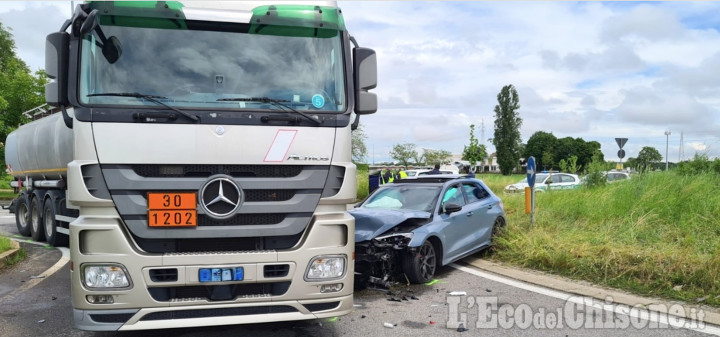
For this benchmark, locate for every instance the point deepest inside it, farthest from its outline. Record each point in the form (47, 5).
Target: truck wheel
(52, 236)
(37, 230)
(22, 215)
(420, 266)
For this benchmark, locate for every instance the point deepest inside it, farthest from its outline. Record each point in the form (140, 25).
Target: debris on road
(432, 282)
(462, 328)
(388, 325)
(37, 276)
(41, 321)
(457, 293)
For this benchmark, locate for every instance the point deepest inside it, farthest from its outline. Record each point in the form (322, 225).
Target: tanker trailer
(37, 155)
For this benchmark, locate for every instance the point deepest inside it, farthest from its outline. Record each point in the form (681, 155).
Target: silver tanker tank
(40, 150)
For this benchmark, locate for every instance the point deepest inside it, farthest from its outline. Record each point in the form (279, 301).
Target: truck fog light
(331, 288)
(105, 276)
(100, 299)
(326, 267)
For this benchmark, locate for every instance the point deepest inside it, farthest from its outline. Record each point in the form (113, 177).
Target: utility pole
(667, 140)
(681, 153)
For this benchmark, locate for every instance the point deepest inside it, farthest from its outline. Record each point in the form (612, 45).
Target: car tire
(37, 230)
(22, 215)
(420, 266)
(497, 226)
(51, 225)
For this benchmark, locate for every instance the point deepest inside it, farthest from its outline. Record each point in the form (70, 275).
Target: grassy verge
(657, 235)
(5, 246)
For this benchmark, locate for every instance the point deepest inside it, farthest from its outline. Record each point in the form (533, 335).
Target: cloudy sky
(595, 70)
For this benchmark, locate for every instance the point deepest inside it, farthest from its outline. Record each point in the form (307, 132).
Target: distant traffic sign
(621, 142)
(531, 171)
(621, 154)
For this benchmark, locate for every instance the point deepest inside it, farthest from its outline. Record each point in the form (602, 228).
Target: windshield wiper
(151, 98)
(277, 102)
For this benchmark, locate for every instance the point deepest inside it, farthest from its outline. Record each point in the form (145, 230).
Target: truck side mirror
(365, 70)
(57, 50)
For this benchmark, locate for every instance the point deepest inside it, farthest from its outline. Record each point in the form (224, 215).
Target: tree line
(20, 88)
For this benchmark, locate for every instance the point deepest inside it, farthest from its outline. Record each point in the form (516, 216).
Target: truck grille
(279, 202)
(174, 171)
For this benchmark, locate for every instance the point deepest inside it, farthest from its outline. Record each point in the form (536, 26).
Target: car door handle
(490, 207)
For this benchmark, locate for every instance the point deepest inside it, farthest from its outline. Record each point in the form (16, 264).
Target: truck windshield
(207, 65)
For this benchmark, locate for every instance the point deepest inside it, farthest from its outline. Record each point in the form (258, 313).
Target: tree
(403, 153)
(20, 90)
(433, 157)
(475, 152)
(507, 129)
(538, 145)
(359, 149)
(647, 156)
(596, 168)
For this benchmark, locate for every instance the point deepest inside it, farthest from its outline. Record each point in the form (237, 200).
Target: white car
(543, 181)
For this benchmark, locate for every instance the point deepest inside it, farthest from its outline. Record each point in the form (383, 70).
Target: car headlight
(105, 276)
(326, 267)
(395, 235)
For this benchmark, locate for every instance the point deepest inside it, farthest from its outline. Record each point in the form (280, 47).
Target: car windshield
(210, 65)
(413, 197)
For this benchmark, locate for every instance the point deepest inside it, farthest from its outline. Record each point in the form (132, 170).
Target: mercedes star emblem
(220, 197)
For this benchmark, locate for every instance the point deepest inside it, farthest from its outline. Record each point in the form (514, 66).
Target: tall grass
(648, 235)
(363, 184)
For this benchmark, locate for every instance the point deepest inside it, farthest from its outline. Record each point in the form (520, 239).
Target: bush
(596, 176)
(698, 165)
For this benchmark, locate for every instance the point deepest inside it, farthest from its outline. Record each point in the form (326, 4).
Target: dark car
(415, 225)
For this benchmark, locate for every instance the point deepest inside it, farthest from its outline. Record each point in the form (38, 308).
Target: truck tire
(37, 230)
(51, 225)
(22, 215)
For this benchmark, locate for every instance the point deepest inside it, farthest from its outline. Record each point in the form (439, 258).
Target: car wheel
(497, 226)
(22, 216)
(52, 236)
(37, 230)
(420, 266)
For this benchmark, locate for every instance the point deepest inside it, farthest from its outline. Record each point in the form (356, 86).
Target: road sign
(531, 171)
(621, 142)
(621, 154)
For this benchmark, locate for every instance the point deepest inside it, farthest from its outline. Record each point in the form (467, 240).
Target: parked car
(419, 224)
(612, 176)
(445, 169)
(543, 181)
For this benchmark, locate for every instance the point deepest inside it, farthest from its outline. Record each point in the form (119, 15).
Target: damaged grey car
(406, 230)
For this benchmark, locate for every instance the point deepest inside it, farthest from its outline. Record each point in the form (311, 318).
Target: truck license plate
(172, 209)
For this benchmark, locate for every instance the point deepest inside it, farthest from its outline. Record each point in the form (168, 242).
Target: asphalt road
(41, 307)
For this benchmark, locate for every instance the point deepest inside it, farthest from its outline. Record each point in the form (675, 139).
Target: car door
(455, 229)
(483, 212)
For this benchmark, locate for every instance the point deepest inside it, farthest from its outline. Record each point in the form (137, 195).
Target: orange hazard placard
(172, 209)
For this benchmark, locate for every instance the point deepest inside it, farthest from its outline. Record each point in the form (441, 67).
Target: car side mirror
(451, 208)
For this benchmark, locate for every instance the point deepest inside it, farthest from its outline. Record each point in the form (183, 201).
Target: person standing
(435, 170)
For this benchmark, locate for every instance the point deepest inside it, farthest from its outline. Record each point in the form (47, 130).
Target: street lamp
(667, 139)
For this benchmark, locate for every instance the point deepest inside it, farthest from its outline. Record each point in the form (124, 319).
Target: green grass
(363, 185)
(647, 235)
(5, 246)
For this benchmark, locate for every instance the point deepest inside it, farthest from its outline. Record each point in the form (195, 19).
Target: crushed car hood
(370, 223)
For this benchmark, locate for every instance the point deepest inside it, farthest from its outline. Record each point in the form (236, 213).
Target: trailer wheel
(22, 215)
(37, 230)
(52, 236)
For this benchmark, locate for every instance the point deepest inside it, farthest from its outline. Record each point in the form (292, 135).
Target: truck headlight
(105, 276)
(328, 267)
